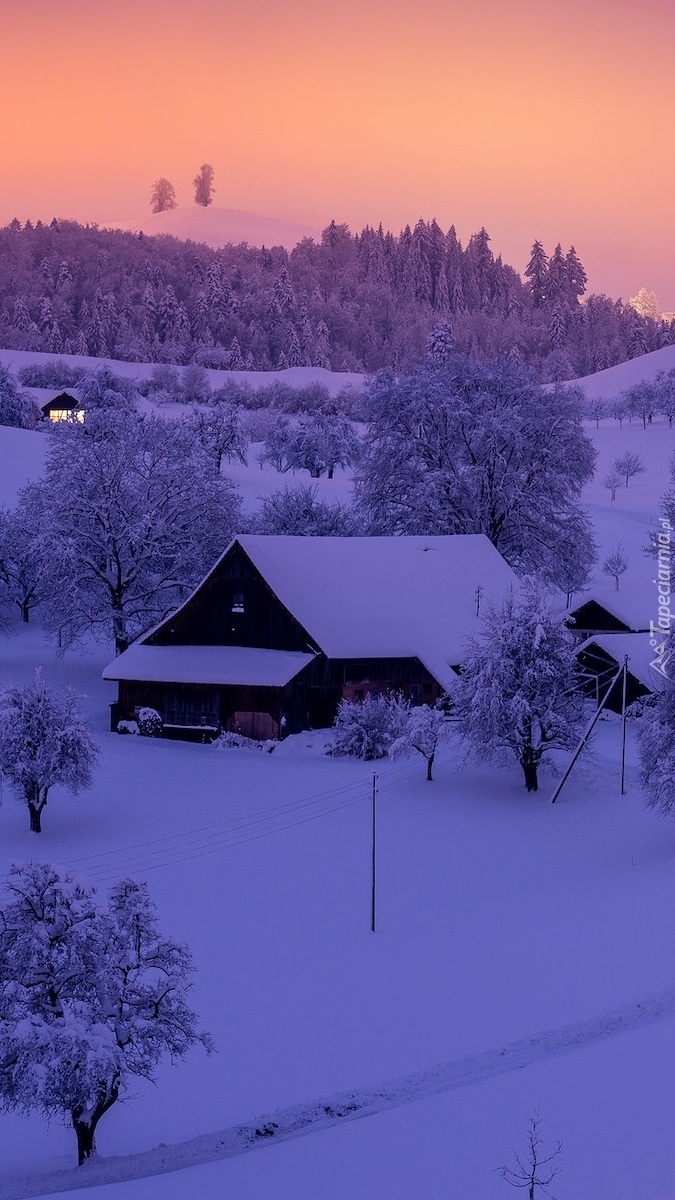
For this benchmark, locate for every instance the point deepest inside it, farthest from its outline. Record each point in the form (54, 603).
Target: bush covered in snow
(150, 723)
(367, 728)
(237, 741)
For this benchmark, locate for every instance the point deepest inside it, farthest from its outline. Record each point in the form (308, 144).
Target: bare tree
(203, 185)
(534, 1169)
(612, 480)
(162, 195)
(629, 465)
(598, 409)
(616, 564)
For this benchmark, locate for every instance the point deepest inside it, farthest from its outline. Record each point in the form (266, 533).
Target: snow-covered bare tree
(367, 728)
(597, 408)
(425, 729)
(203, 185)
(23, 579)
(43, 741)
(102, 388)
(613, 479)
(92, 997)
(616, 564)
(518, 690)
(16, 407)
(299, 511)
(475, 449)
(628, 465)
(137, 514)
(219, 432)
(162, 195)
(655, 737)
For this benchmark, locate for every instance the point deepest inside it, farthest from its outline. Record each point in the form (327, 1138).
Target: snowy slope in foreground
(218, 227)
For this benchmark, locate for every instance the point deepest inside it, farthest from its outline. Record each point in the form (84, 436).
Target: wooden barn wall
(233, 607)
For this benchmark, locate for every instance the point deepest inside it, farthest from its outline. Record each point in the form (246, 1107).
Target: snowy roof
(631, 608)
(379, 597)
(224, 665)
(642, 655)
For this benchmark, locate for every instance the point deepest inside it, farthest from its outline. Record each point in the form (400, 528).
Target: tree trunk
(85, 1131)
(25, 609)
(530, 773)
(86, 1142)
(430, 763)
(35, 814)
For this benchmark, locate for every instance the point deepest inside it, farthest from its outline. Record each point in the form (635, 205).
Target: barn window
(238, 602)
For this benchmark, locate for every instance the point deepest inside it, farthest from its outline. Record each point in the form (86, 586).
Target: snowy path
(301, 1119)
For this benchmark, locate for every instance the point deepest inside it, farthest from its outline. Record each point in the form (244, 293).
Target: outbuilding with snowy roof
(284, 627)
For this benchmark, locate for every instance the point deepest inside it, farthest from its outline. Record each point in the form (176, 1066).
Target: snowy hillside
(217, 227)
(606, 384)
(522, 959)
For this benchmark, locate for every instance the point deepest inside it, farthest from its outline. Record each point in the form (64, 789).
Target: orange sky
(547, 119)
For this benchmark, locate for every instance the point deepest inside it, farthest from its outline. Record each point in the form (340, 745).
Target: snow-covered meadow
(499, 919)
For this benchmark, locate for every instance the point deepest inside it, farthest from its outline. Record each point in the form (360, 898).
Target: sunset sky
(549, 119)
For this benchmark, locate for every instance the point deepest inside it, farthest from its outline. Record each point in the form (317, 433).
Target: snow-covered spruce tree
(518, 691)
(43, 741)
(137, 514)
(91, 997)
(367, 728)
(469, 448)
(425, 729)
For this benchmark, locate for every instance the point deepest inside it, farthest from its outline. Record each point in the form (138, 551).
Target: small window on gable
(238, 602)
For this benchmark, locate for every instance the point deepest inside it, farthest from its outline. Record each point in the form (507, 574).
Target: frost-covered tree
(203, 185)
(425, 729)
(440, 343)
(655, 736)
(43, 741)
(597, 408)
(299, 511)
(629, 465)
(613, 479)
(518, 692)
(102, 388)
(162, 195)
(219, 432)
(137, 514)
(367, 728)
(16, 408)
(479, 449)
(92, 996)
(616, 564)
(23, 578)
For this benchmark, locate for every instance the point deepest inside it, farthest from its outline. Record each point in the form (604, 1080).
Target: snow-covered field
(523, 957)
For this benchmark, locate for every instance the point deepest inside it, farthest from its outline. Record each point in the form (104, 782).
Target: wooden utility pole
(374, 831)
(623, 726)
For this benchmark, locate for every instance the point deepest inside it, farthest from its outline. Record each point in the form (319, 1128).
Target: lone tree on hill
(162, 195)
(518, 692)
(628, 465)
(91, 997)
(616, 564)
(43, 741)
(203, 185)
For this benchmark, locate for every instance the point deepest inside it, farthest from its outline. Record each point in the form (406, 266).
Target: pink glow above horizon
(546, 119)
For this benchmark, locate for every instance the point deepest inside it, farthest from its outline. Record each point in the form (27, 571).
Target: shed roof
(221, 665)
(642, 655)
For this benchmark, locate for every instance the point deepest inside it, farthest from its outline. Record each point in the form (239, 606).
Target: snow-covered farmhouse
(284, 627)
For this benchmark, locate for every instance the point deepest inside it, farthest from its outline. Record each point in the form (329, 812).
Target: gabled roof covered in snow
(629, 610)
(356, 598)
(377, 597)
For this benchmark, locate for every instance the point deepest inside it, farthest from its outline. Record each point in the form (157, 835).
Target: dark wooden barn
(284, 627)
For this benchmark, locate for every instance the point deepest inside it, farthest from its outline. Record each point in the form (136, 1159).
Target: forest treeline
(354, 302)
